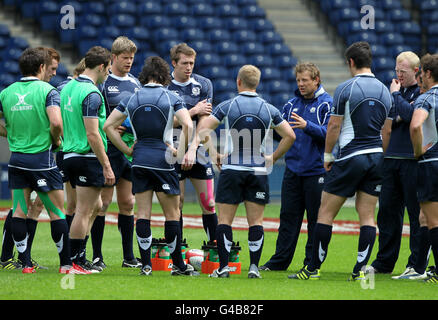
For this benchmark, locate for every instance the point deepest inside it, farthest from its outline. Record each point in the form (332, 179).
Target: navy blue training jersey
(150, 111)
(429, 102)
(115, 88)
(248, 119)
(196, 89)
(365, 103)
(400, 145)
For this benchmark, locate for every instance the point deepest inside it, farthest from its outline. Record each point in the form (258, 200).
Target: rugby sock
(367, 236)
(172, 234)
(423, 251)
(59, 231)
(209, 221)
(433, 234)
(255, 244)
(83, 251)
(76, 245)
(69, 219)
(31, 225)
(321, 239)
(19, 233)
(126, 228)
(97, 231)
(144, 239)
(224, 237)
(8, 241)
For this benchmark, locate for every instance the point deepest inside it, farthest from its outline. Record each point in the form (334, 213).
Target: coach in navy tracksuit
(400, 170)
(308, 113)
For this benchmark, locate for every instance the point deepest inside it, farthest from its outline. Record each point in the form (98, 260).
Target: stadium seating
(225, 33)
(394, 29)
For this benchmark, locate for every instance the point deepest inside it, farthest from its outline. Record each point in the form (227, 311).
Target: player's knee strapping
(50, 207)
(19, 199)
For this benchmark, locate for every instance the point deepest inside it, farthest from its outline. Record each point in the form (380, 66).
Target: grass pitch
(116, 283)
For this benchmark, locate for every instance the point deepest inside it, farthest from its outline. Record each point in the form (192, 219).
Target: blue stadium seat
(252, 48)
(202, 9)
(176, 9)
(344, 14)
(391, 38)
(227, 10)
(390, 4)
(201, 47)
(223, 96)
(260, 24)
(433, 18)
(6, 79)
(156, 22)
(208, 59)
(253, 11)
(261, 60)
(288, 74)
(226, 47)
(3, 44)
(427, 5)
(123, 20)
(234, 60)
(191, 34)
(373, 3)
(243, 36)
(182, 22)
(139, 34)
(276, 49)
(165, 34)
(48, 15)
(270, 73)
(378, 50)
(349, 27)
(209, 22)
(92, 19)
(386, 76)
(215, 72)
(219, 35)
(367, 36)
(329, 5)
(220, 2)
(12, 53)
(399, 15)
(383, 63)
(11, 67)
(432, 30)
(109, 31)
(235, 23)
(28, 9)
(397, 49)
(285, 61)
(164, 47)
(106, 42)
(383, 26)
(94, 7)
(149, 8)
(18, 42)
(277, 86)
(122, 7)
(4, 31)
(224, 85)
(245, 3)
(268, 37)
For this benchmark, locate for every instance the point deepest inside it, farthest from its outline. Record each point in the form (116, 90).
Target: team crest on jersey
(21, 104)
(312, 110)
(196, 91)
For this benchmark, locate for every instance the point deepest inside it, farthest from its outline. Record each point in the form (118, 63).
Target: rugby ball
(195, 257)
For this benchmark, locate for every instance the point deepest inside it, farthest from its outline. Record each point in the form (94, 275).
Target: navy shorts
(120, 165)
(60, 165)
(198, 171)
(237, 186)
(42, 181)
(427, 183)
(362, 172)
(144, 179)
(84, 171)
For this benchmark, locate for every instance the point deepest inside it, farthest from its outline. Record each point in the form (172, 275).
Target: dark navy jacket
(400, 145)
(305, 157)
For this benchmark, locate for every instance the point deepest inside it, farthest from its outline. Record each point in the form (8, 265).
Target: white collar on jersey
(249, 93)
(85, 77)
(152, 84)
(29, 78)
(184, 84)
(365, 74)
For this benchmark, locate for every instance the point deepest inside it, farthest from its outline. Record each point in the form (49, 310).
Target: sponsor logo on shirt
(21, 104)
(42, 183)
(260, 195)
(113, 89)
(165, 186)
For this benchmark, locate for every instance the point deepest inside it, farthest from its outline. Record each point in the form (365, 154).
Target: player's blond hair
(181, 48)
(311, 67)
(250, 76)
(80, 68)
(122, 44)
(410, 57)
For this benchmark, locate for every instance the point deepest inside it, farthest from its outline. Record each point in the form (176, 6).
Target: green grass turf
(125, 284)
